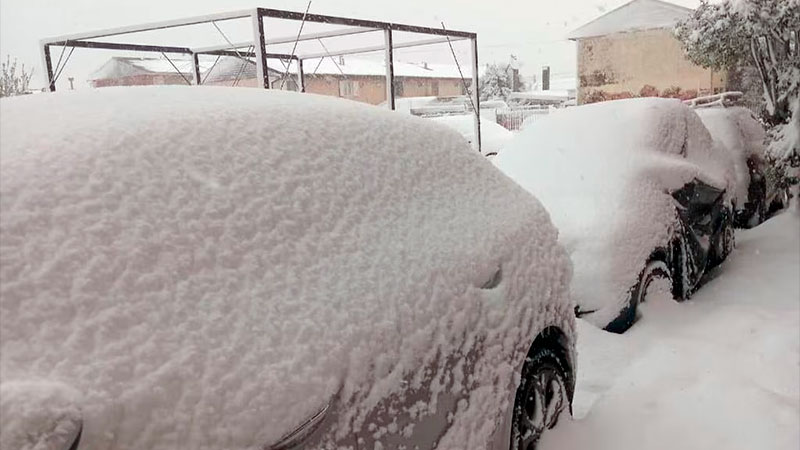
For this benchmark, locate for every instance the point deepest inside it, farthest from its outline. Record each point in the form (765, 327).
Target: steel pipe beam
(150, 26)
(377, 48)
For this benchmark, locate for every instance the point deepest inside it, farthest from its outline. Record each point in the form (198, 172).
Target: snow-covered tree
(764, 34)
(12, 82)
(761, 33)
(496, 83)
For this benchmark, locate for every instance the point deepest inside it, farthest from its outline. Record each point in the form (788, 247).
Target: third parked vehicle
(758, 191)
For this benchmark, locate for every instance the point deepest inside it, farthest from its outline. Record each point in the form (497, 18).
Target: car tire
(544, 393)
(681, 287)
(727, 242)
(654, 270)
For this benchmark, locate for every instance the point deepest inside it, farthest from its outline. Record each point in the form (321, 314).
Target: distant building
(127, 71)
(363, 80)
(632, 49)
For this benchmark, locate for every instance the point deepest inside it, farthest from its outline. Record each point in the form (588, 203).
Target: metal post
(387, 33)
(260, 49)
(196, 60)
(48, 67)
(476, 98)
(301, 76)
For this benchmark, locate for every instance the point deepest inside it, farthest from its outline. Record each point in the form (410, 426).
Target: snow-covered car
(209, 268)
(493, 135)
(743, 136)
(640, 193)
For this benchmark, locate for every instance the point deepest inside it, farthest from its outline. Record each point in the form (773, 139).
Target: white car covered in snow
(758, 191)
(211, 268)
(641, 196)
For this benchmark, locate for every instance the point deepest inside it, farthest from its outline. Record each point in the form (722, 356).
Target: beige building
(631, 51)
(357, 79)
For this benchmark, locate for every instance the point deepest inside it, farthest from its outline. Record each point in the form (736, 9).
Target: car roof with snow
(237, 257)
(735, 128)
(605, 172)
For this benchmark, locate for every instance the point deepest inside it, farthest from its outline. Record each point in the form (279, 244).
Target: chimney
(341, 60)
(546, 78)
(425, 65)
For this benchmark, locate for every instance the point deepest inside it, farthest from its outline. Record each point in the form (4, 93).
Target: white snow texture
(607, 186)
(208, 267)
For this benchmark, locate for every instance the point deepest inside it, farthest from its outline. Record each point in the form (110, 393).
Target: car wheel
(759, 216)
(542, 396)
(727, 242)
(656, 276)
(779, 202)
(655, 280)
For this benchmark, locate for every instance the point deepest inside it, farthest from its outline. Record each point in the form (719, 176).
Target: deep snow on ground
(719, 371)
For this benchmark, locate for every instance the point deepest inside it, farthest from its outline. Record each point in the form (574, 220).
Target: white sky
(533, 30)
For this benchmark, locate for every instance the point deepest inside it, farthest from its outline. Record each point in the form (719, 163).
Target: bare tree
(14, 83)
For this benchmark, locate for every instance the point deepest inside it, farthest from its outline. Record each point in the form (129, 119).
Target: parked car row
(223, 268)
(639, 192)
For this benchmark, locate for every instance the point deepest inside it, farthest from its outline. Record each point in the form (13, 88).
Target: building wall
(365, 89)
(623, 63)
(372, 89)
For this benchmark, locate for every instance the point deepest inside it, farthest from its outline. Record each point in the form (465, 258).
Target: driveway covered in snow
(719, 371)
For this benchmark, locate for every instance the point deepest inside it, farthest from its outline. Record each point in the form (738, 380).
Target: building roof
(123, 66)
(632, 16)
(229, 68)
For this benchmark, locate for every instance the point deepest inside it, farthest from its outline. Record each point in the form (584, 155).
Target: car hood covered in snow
(605, 173)
(209, 267)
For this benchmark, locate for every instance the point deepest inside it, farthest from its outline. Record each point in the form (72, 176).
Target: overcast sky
(533, 30)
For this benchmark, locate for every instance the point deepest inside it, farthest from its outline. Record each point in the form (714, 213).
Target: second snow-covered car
(639, 192)
(218, 268)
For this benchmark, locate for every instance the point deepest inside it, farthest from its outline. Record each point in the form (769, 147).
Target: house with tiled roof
(353, 78)
(632, 51)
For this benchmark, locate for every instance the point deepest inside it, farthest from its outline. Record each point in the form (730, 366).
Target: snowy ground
(720, 371)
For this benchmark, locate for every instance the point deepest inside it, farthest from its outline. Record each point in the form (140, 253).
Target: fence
(512, 119)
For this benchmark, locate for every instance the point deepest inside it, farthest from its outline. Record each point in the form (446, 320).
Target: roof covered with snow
(196, 285)
(121, 66)
(633, 16)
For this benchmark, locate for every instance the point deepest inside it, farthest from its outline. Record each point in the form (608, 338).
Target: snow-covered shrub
(11, 81)
(784, 148)
(497, 82)
(648, 91)
(764, 34)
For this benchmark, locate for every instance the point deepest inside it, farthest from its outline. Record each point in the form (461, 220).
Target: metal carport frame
(259, 44)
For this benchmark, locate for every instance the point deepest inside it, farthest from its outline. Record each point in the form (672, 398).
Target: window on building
(348, 88)
(435, 88)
